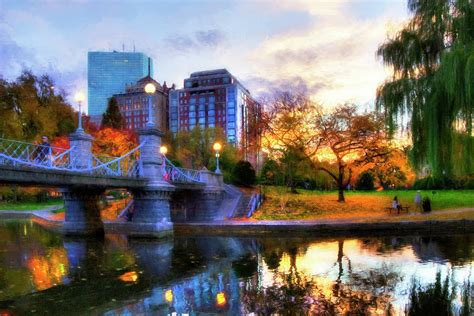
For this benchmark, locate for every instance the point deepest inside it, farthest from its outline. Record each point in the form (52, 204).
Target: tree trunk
(340, 184)
(341, 195)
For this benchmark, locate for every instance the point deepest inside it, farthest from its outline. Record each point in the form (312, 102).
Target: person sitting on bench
(396, 205)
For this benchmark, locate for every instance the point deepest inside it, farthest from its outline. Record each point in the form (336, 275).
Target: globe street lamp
(163, 150)
(150, 90)
(79, 97)
(217, 147)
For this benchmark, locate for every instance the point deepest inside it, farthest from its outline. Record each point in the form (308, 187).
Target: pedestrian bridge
(32, 164)
(83, 177)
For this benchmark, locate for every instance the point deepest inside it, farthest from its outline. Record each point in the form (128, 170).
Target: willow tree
(432, 59)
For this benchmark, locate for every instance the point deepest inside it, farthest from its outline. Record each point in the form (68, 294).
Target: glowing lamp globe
(217, 147)
(169, 296)
(79, 96)
(163, 150)
(150, 88)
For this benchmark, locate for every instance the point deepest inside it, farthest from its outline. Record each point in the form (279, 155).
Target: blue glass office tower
(108, 73)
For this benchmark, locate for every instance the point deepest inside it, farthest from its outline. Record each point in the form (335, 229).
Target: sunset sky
(324, 48)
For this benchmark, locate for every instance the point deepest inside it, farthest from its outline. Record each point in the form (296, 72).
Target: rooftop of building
(211, 74)
(139, 86)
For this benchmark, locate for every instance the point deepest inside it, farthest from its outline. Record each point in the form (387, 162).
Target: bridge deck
(60, 178)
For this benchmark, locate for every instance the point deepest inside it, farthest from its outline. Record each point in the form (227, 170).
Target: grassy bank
(28, 206)
(308, 205)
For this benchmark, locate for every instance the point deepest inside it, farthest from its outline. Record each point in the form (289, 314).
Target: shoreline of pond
(268, 228)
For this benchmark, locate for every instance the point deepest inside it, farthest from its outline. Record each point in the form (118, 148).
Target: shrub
(270, 173)
(365, 181)
(438, 183)
(243, 173)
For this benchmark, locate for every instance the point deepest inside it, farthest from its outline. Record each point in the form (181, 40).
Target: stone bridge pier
(152, 197)
(152, 215)
(82, 202)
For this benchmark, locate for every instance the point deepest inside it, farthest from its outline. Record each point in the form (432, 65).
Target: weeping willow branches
(433, 83)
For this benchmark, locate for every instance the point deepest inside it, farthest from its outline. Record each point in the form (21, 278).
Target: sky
(323, 48)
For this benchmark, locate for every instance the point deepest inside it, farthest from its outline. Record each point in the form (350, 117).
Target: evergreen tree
(433, 81)
(112, 117)
(365, 182)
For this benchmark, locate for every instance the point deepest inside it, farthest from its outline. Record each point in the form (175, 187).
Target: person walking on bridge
(43, 152)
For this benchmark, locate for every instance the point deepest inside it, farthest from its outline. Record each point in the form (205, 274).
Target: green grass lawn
(28, 206)
(281, 205)
(440, 199)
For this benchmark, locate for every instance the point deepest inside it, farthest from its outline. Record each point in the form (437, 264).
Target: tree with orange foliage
(107, 141)
(354, 140)
(113, 142)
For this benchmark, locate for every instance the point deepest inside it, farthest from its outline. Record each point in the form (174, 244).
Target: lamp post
(150, 90)
(217, 147)
(79, 97)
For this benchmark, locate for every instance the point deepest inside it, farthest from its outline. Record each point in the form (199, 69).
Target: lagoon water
(44, 273)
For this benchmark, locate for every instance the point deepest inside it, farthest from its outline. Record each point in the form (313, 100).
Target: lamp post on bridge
(79, 98)
(150, 90)
(217, 147)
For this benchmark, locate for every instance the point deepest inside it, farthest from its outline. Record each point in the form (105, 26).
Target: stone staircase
(237, 202)
(243, 207)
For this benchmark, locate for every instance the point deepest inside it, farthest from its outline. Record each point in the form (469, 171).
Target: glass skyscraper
(108, 73)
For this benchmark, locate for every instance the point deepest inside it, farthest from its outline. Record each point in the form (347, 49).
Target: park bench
(401, 208)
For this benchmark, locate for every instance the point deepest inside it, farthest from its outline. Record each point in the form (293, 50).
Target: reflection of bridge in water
(208, 274)
(152, 179)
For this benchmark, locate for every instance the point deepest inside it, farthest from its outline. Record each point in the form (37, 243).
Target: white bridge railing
(174, 174)
(20, 154)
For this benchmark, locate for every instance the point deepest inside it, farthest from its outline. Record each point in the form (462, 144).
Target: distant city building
(216, 98)
(108, 73)
(133, 104)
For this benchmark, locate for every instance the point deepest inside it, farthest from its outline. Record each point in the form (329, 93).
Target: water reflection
(42, 272)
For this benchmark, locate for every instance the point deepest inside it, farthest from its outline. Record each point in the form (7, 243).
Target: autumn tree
(194, 148)
(353, 140)
(113, 142)
(112, 116)
(291, 134)
(290, 122)
(32, 106)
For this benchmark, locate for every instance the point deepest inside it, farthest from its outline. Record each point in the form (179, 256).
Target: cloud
(14, 57)
(197, 40)
(333, 59)
(264, 87)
